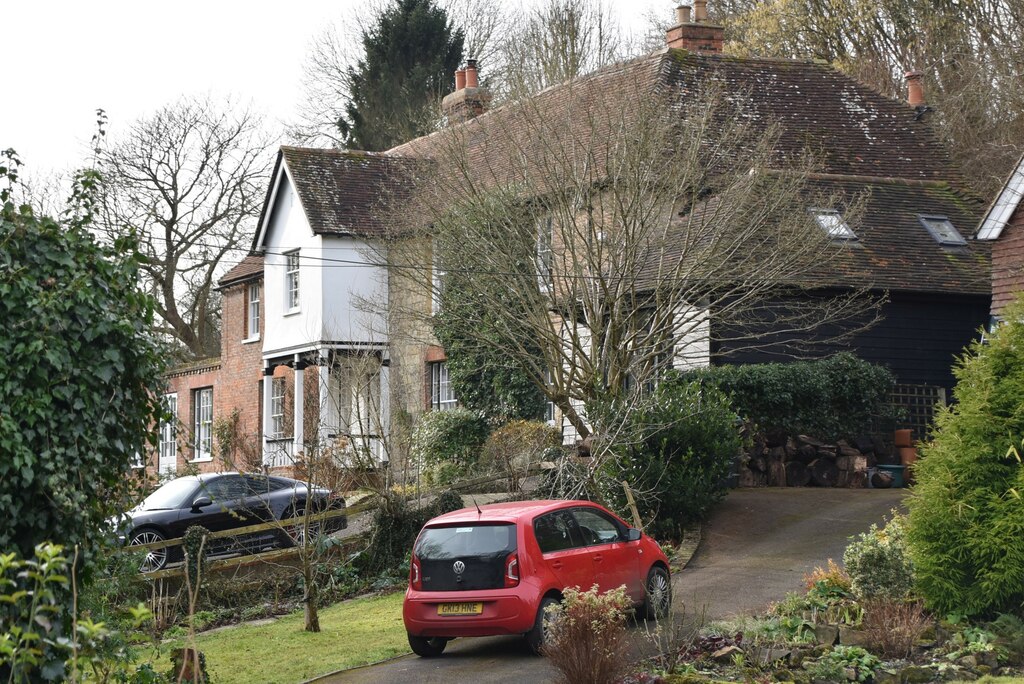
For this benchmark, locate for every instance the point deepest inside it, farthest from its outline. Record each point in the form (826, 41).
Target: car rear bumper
(503, 613)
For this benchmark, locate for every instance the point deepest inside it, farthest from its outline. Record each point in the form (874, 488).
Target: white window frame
(832, 222)
(168, 444)
(202, 422)
(291, 281)
(278, 390)
(252, 320)
(441, 396)
(544, 254)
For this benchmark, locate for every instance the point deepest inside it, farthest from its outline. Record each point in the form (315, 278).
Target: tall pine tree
(411, 54)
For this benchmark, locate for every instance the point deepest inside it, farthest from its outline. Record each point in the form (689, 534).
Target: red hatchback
(494, 570)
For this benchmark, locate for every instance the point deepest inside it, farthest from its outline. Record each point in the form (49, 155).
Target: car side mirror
(633, 534)
(201, 502)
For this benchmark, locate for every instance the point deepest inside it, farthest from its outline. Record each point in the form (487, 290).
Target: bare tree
(971, 54)
(188, 181)
(557, 41)
(609, 230)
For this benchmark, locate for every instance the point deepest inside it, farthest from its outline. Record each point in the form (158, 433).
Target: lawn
(352, 633)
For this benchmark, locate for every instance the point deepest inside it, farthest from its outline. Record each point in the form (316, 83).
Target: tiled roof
(863, 143)
(853, 129)
(343, 192)
(248, 268)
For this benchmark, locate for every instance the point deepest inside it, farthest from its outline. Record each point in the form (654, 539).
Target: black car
(225, 501)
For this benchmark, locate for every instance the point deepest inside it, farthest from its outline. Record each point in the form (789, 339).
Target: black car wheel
(657, 594)
(155, 558)
(537, 637)
(303, 533)
(427, 647)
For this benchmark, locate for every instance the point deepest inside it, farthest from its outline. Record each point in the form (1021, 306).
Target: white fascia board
(1004, 205)
(271, 201)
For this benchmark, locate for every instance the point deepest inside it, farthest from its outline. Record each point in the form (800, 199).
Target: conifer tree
(411, 54)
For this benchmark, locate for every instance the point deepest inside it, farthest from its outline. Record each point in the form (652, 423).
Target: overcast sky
(63, 60)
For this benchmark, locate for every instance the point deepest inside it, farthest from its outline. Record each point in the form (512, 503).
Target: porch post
(268, 381)
(298, 439)
(385, 410)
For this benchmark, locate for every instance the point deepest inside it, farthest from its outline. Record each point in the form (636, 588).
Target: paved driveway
(758, 545)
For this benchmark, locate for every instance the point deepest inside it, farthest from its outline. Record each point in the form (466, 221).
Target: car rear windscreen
(465, 557)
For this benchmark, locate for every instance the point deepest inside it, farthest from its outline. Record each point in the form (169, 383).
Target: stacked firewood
(801, 461)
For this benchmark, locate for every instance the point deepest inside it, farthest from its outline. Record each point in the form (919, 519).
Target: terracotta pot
(902, 438)
(908, 455)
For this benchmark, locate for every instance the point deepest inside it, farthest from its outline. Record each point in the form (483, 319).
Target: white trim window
(545, 254)
(277, 394)
(442, 398)
(253, 312)
(167, 460)
(202, 414)
(291, 280)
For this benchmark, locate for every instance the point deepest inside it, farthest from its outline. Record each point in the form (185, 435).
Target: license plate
(460, 609)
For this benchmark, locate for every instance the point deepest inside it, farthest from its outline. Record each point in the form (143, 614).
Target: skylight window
(833, 224)
(942, 230)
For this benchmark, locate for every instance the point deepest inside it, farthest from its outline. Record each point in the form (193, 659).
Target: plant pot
(896, 471)
(902, 438)
(908, 456)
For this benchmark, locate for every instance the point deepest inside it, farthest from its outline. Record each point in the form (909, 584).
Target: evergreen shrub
(966, 529)
(448, 443)
(878, 562)
(679, 470)
(829, 398)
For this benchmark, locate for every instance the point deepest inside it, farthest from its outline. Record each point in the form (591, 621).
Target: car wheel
(301, 534)
(537, 637)
(657, 594)
(155, 558)
(427, 647)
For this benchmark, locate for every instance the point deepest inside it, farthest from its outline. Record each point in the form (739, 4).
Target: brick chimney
(915, 88)
(470, 99)
(697, 35)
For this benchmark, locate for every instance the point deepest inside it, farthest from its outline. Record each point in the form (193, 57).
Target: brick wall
(235, 379)
(1008, 262)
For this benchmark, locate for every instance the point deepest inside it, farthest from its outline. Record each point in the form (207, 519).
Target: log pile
(802, 461)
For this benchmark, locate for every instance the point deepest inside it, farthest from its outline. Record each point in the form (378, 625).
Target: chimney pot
(460, 79)
(471, 74)
(700, 11)
(683, 14)
(915, 88)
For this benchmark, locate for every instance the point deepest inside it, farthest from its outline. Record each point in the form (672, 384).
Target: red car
(494, 569)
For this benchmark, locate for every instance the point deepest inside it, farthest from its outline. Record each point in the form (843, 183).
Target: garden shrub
(393, 530)
(833, 666)
(586, 639)
(679, 469)
(966, 529)
(448, 443)
(81, 374)
(829, 398)
(878, 562)
(893, 626)
(512, 448)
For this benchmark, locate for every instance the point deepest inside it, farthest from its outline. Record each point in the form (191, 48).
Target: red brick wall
(1008, 262)
(235, 379)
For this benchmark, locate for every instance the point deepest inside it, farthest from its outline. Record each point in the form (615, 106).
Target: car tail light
(415, 575)
(512, 570)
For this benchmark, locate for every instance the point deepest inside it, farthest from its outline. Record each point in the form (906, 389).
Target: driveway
(757, 546)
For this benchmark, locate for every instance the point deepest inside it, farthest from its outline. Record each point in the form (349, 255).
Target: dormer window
(831, 221)
(942, 229)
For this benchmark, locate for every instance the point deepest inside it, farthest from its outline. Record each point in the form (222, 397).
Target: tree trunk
(309, 599)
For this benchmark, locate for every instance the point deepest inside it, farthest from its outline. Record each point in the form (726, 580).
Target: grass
(352, 633)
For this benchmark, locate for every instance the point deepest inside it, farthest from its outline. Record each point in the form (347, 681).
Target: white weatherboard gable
(1004, 205)
(339, 280)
